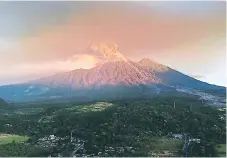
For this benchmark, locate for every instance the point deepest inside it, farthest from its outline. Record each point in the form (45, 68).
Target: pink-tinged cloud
(33, 71)
(132, 30)
(188, 42)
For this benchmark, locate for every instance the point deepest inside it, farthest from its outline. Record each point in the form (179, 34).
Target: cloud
(197, 76)
(145, 29)
(28, 71)
(105, 49)
(8, 45)
(139, 30)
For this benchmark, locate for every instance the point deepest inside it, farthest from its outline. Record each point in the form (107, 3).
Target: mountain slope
(109, 73)
(114, 69)
(152, 65)
(172, 77)
(3, 103)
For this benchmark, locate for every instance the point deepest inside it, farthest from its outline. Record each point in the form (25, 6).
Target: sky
(39, 39)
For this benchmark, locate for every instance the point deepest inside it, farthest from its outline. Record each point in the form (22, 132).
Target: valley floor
(129, 127)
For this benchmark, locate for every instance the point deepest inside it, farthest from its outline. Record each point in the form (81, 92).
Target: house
(195, 140)
(177, 136)
(52, 137)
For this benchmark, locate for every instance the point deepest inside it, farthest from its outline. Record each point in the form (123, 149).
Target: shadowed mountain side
(41, 92)
(3, 103)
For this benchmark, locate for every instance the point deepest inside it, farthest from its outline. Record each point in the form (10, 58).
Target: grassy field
(8, 138)
(221, 149)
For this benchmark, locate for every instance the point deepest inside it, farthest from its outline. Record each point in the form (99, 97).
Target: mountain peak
(146, 60)
(109, 51)
(148, 63)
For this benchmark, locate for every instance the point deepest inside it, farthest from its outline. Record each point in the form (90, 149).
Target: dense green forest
(129, 127)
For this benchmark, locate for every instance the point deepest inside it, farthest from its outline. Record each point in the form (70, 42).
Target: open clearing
(99, 106)
(221, 149)
(8, 138)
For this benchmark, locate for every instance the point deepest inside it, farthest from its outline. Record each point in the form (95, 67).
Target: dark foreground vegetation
(133, 127)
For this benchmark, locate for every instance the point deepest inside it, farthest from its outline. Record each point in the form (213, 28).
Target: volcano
(115, 75)
(113, 69)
